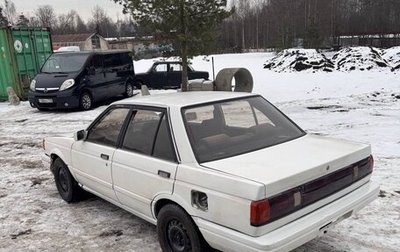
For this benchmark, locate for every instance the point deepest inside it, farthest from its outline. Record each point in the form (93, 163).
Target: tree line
(254, 24)
(67, 23)
(260, 24)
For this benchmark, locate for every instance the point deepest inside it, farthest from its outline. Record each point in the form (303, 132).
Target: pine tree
(190, 24)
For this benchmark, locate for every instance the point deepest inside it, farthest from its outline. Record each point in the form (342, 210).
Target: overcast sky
(83, 7)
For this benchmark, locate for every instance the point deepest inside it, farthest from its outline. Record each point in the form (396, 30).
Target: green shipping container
(23, 51)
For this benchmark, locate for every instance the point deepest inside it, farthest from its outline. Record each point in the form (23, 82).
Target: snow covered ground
(361, 106)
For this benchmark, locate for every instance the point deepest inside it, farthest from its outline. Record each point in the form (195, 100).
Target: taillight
(287, 202)
(267, 210)
(259, 212)
(363, 168)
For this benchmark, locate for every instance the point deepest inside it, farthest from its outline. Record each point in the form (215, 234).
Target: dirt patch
(111, 233)
(25, 232)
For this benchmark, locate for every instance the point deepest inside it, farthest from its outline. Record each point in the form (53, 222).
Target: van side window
(125, 59)
(107, 129)
(96, 62)
(112, 60)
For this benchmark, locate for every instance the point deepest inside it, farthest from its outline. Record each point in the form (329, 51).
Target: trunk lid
(293, 163)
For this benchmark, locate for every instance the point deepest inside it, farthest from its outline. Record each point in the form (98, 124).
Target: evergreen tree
(188, 23)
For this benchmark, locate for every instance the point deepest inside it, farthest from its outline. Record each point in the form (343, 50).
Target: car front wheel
(67, 187)
(177, 231)
(86, 101)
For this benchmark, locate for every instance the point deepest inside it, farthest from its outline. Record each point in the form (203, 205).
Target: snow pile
(359, 58)
(392, 55)
(290, 60)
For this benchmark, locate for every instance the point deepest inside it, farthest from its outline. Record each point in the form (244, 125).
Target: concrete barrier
(200, 85)
(243, 80)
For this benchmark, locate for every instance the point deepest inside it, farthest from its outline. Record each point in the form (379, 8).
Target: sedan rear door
(145, 165)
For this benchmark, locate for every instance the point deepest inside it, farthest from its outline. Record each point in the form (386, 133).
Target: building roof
(71, 37)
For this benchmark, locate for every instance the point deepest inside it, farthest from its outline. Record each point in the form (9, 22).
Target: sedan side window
(163, 147)
(142, 131)
(160, 68)
(148, 134)
(107, 129)
(173, 67)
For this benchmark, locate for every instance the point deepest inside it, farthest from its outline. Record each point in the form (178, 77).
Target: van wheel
(177, 231)
(86, 101)
(129, 90)
(67, 186)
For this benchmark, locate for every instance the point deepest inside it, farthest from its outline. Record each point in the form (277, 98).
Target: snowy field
(361, 106)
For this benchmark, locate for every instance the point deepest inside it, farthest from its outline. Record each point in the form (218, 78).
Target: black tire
(129, 89)
(67, 186)
(86, 101)
(177, 232)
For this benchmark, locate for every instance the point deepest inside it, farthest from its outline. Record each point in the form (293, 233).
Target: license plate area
(324, 229)
(47, 100)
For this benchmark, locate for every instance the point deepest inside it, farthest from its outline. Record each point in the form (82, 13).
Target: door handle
(164, 174)
(104, 156)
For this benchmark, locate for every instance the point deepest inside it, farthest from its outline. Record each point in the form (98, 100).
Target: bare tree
(3, 19)
(102, 23)
(67, 22)
(46, 16)
(9, 11)
(80, 25)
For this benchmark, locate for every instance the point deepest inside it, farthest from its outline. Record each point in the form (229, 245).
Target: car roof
(183, 99)
(94, 52)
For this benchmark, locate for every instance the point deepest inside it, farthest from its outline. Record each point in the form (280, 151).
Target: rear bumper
(295, 233)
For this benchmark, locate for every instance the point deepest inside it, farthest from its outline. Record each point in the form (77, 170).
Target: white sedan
(224, 170)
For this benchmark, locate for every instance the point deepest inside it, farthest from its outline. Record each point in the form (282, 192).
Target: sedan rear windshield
(228, 128)
(64, 63)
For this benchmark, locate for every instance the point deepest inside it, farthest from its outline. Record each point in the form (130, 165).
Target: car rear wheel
(177, 232)
(86, 101)
(67, 186)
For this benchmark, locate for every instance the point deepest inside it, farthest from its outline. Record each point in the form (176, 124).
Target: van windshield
(64, 63)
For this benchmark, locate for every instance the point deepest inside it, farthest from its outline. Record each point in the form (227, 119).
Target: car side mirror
(80, 135)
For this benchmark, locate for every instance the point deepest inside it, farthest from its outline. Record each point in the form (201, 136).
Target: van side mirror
(80, 135)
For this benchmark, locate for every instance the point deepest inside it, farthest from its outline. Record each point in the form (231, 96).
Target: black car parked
(166, 75)
(78, 79)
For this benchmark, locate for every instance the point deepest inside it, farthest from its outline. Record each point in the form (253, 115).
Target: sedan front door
(91, 158)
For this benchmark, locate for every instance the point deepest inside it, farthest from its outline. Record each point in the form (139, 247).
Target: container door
(42, 45)
(8, 73)
(32, 46)
(25, 55)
